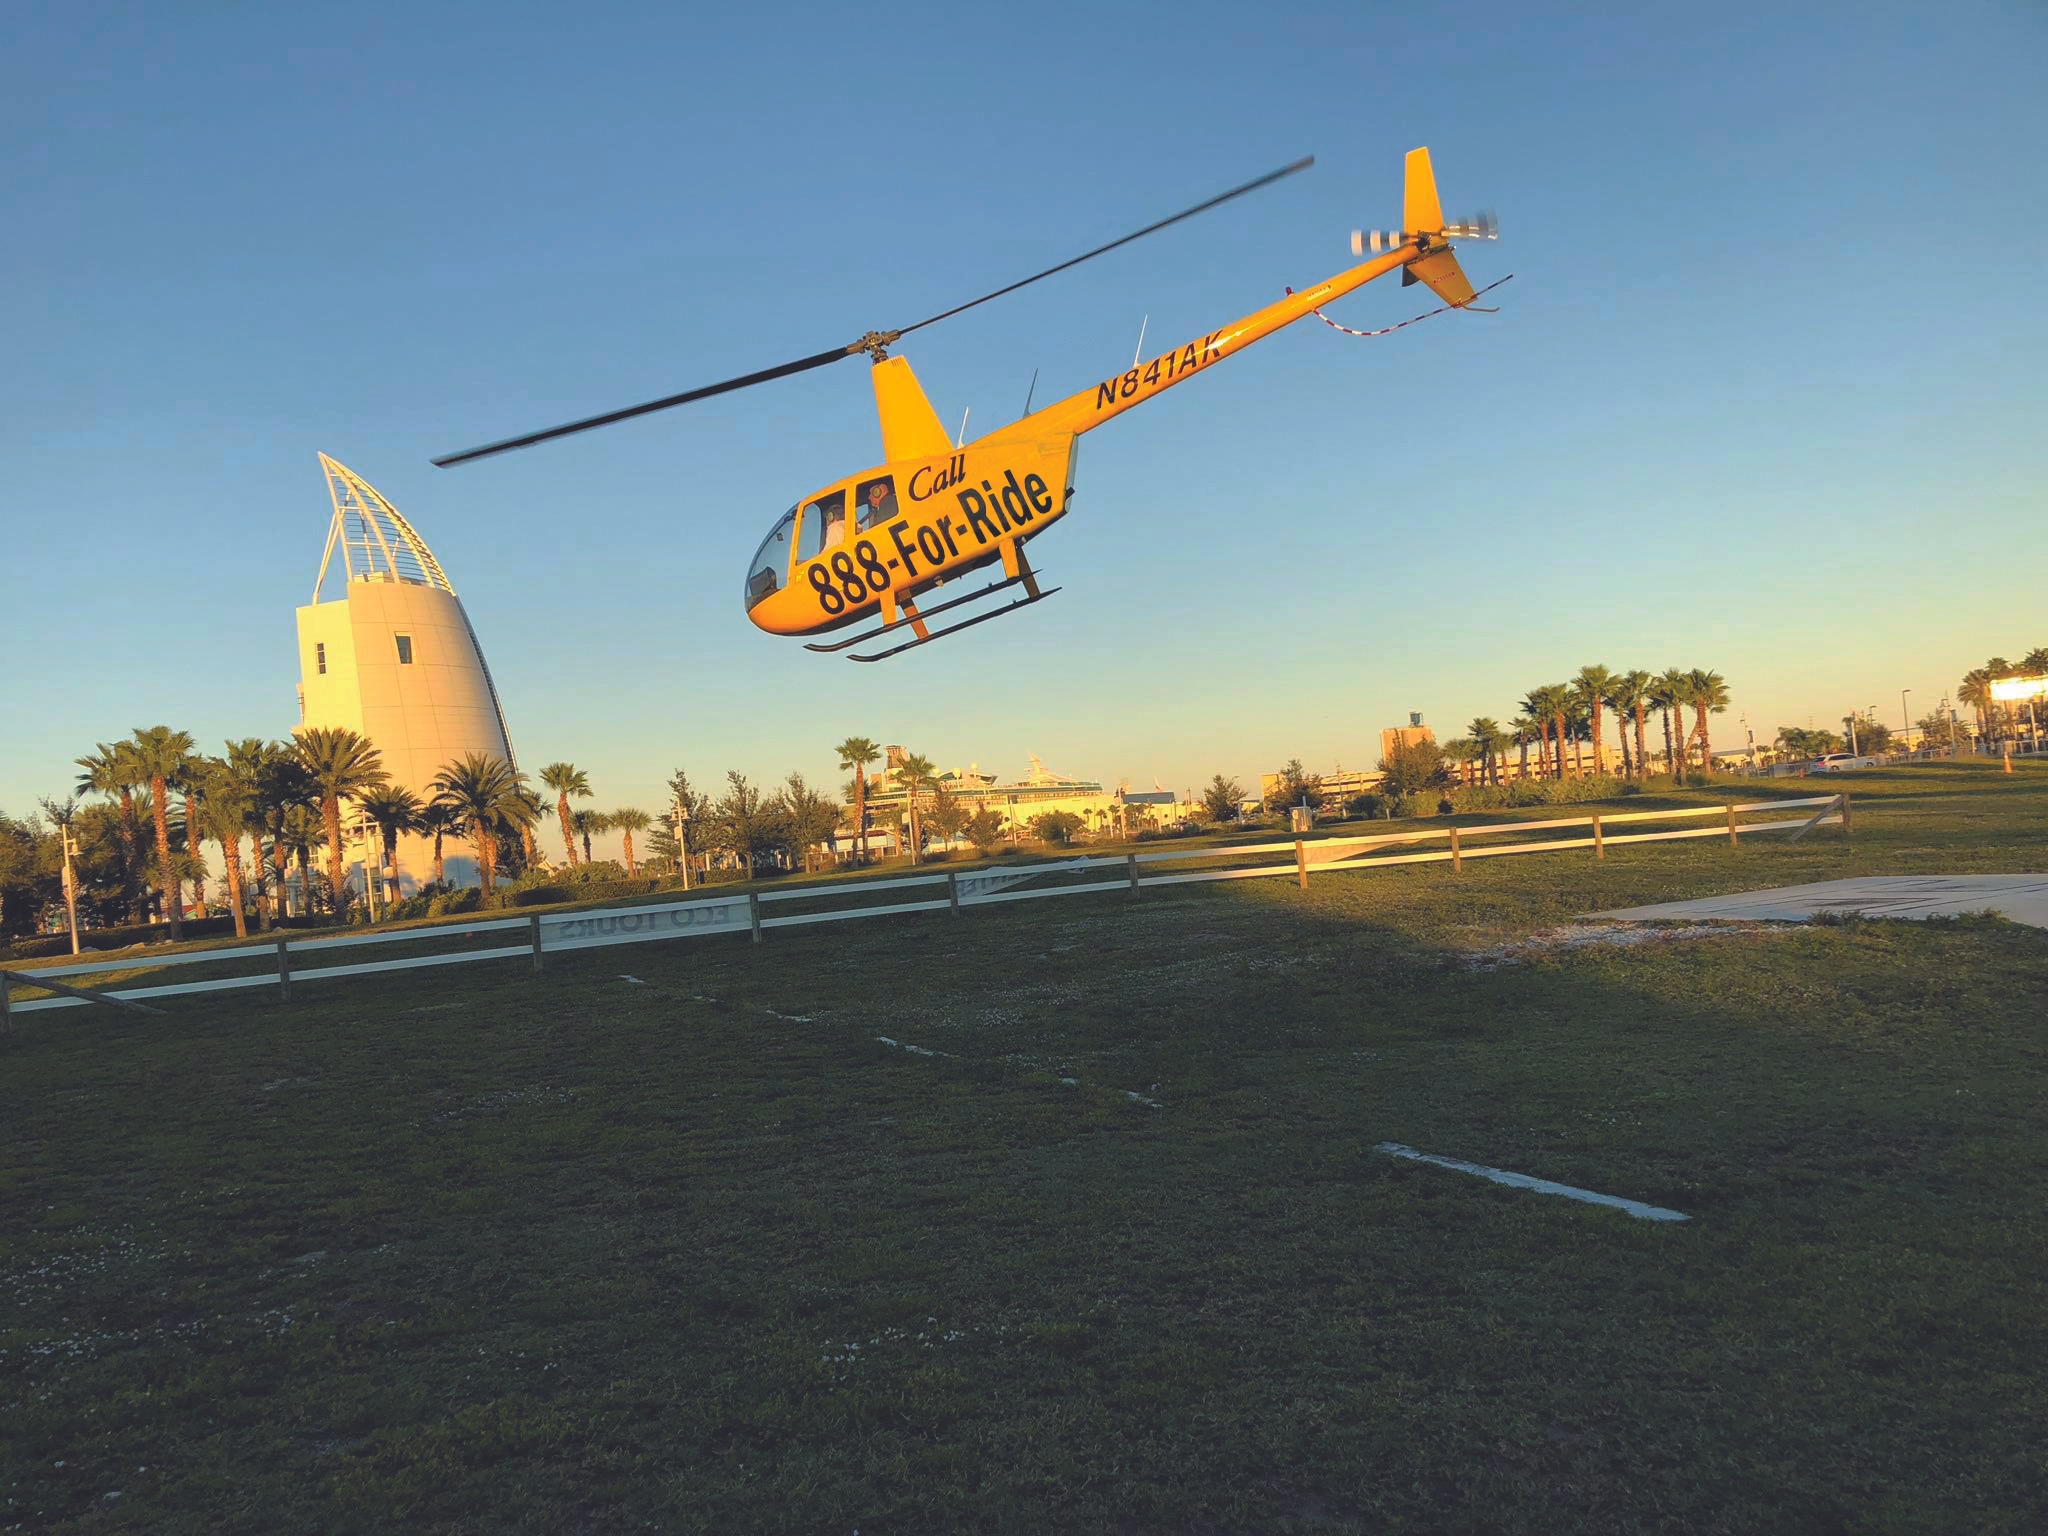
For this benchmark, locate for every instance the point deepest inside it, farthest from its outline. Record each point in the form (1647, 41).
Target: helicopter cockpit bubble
(771, 561)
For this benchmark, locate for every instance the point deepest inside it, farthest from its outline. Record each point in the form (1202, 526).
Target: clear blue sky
(1765, 395)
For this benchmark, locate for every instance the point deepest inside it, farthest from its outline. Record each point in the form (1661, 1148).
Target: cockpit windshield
(771, 561)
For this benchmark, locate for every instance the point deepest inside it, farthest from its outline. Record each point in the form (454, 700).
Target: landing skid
(918, 617)
(954, 629)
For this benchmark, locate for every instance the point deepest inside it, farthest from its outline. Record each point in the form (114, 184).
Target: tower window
(320, 656)
(405, 650)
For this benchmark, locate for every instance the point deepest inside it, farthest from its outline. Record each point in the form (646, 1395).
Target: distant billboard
(2013, 690)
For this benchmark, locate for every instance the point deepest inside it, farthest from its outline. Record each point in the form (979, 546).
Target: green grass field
(1101, 1242)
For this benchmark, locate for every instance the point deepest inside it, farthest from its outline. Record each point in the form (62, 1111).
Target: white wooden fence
(536, 936)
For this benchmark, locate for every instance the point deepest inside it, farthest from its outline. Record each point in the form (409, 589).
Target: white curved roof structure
(375, 540)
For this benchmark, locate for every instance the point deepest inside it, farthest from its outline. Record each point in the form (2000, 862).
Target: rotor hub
(876, 344)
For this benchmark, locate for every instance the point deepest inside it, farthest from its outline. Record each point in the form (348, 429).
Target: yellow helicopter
(881, 540)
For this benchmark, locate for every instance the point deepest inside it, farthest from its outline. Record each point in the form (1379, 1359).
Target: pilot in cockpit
(878, 503)
(835, 523)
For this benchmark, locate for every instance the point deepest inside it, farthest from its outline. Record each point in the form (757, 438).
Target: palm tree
(588, 823)
(1463, 751)
(627, 822)
(300, 831)
(484, 793)
(1975, 692)
(1550, 704)
(1635, 688)
(226, 812)
(1578, 729)
(191, 785)
(1709, 692)
(915, 773)
(1590, 687)
(160, 757)
(111, 770)
(1524, 729)
(856, 752)
(1672, 692)
(566, 779)
(343, 765)
(527, 816)
(1483, 731)
(1502, 739)
(1620, 696)
(438, 820)
(283, 788)
(391, 810)
(243, 771)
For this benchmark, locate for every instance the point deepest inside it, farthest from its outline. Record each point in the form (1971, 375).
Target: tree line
(2001, 717)
(145, 808)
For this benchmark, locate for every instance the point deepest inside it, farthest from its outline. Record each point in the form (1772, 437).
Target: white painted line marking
(915, 1050)
(1540, 1186)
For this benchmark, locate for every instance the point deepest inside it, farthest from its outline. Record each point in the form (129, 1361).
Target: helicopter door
(823, 526)
(771, 561)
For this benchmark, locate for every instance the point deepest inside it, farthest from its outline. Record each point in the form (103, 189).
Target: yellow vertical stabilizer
(1420, 209)
(1421, 213)
(911, 429)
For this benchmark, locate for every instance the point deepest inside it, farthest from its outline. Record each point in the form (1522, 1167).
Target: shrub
(538, 896)
(44, 946)
(550, 893)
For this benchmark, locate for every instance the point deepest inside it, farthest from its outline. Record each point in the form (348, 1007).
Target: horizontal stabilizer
(1445, 277)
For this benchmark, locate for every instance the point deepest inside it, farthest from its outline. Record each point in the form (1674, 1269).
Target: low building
(1339, 787)
(1016, 804)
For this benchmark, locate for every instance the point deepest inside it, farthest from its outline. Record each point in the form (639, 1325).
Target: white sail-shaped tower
(394, 657)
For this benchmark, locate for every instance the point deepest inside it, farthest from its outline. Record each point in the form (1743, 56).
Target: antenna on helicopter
(961, 440)
(1029, 393)
(1138, 354)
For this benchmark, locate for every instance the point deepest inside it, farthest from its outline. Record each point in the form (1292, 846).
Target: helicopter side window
(876, 499)
(824, 525)
(771, 560)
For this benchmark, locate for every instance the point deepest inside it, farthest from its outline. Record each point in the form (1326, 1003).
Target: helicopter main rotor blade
(872, 342)
(1187, 213)
(817, 360)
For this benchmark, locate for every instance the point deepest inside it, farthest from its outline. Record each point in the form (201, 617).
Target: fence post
(1731, 826)
(1599, 838)
(1301, 862)
(1131, 869)
(754, 914)
(6, 1011)
(284, 970)
(1457, 853)
(1843, 799)
(953, 890)
(533, 930)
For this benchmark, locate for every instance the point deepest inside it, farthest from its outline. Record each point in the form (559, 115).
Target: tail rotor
(1482, 226)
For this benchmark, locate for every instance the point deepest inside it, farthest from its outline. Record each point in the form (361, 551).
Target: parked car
(1835, 762)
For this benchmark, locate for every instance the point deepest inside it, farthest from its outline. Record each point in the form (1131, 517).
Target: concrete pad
(2021, 898)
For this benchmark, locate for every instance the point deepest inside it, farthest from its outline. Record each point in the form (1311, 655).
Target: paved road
(2022, 898)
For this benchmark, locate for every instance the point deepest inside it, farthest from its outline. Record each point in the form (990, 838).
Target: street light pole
(1905, 714)
(70, 885)
(682, 821)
